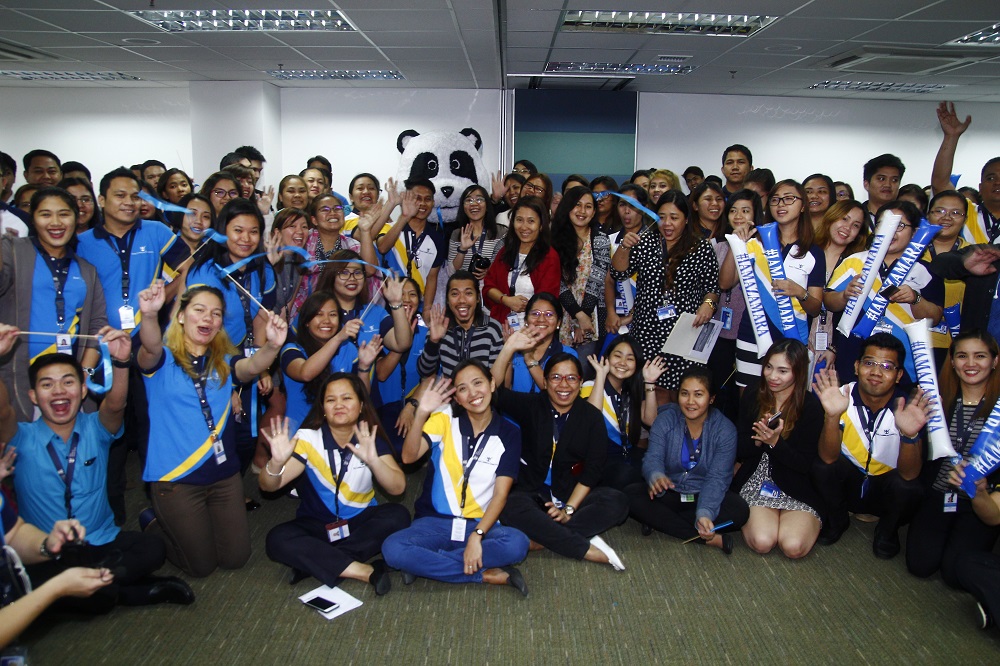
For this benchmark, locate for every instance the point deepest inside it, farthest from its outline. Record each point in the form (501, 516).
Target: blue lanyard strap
(66, 475)
(106, 371)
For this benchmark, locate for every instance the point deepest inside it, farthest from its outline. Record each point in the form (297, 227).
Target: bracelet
(395, 307)
(44, 551)
(126, 364)
(460, 251)
(413, 401)
(650, 383)
(918, 298)
(368, 369)
(905, 439)
(651, 389)
(710, 302)
(267, 468)
(531, 364)
(804, 298)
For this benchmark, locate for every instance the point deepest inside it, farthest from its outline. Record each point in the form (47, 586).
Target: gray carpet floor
(674, 604)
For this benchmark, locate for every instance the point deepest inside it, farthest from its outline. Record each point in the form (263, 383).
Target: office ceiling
(491, 44)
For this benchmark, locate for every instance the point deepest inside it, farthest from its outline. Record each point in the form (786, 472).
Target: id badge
(864, 486)
(127, 316)
(769, 490)
(687, 498)
(249, 351)
(514, 322)
(621, 306)
(950, 502)
(64, 343)
(726, 317)
(822, 341)
(219, 450)
(337, 531)
(666, 312)
(458, 529)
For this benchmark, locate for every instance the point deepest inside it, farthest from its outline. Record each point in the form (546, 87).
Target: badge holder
(337, 530)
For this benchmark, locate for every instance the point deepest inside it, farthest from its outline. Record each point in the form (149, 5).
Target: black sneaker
(885, 546)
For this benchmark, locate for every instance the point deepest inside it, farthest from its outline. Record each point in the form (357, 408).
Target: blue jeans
(425, 549)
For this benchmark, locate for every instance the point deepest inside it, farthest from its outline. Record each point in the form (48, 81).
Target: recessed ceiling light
(986, 37)
(673, 58)
(140, 41)
(877, 86)
(783, 48)
(715, 25)
(336, 74)
(228, 20)
(616, 68)
(68, 76)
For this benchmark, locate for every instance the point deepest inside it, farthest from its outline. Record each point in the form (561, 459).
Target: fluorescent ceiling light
(228, 20)
(873, 86)
(616, 68)
(715, 25)
(986, 37)
(68, 76)
(336, 74)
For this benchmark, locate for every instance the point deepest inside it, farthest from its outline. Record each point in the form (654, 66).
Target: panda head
(451, 160)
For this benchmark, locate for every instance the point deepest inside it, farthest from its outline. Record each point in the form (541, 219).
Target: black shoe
(727, 544)
(516, 580)
(170, 590)
(885, 546)
(252, 505)
(985, 619)
(380, 578)
(646, 529)
(297, 575)
(408, 578)
(830, 535)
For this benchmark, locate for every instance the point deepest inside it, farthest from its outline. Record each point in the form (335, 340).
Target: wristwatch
(569, 509)
(480, 532)
(413, 401)
(918, 298)
(531, 364)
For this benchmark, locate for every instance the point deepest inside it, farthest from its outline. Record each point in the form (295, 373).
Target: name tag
(666, 312)
(687, 497)
(64, 344)
(726, 317)
(337, 531)
(513, 321)
(219, 450)
(458, 529)
(822, 341)
(127, 316)
(769, 490)
(950, 502)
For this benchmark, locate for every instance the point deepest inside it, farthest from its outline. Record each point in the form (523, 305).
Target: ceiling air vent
(902, 62)
(14, 53)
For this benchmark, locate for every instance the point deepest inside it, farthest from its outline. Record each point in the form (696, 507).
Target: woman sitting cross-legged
(456, 537)
(688, 468)
(338, 526)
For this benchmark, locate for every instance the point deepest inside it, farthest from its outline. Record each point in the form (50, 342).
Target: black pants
(131, 556)
(602, 509)
(668, 514)
(936, 539)
(890, 497)
(303, 544)
(135, 436)
(979, 575)
(621, 471)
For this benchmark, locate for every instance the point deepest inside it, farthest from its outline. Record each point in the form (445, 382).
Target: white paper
(335, 594)
(694, 344)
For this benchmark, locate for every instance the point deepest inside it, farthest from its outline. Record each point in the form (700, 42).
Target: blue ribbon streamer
(440, 217)
(343, 202)
(213, 235)
(232, 268)
(385, 271)
(296, 249)
(105, 368)
(631, 201)
(162, 205)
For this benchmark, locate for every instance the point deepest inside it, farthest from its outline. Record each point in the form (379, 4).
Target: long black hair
(688, 240)
(564, 238)
(512, 244)
(632, 389)
(490, 219)
(310, 308)
(316, 418)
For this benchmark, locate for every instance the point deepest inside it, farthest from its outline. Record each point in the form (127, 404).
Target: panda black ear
(404, 138)
(474, 135)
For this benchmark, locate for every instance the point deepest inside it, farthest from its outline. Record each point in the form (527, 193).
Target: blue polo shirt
(235, 320)
(43, 315)
(180, 445)
(298, 403)
(397, 386)
(521, 380)
(41, 491)
(154, 251)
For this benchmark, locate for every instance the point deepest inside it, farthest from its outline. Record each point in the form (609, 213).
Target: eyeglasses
(902, 225)
(84, 201)
(601, 195)
(521, 170)
(326, 210)
(473, 200)
(885, 366)
(547, 314)
(787, 200)
(532, 188)
(569, 379)
(348, 274)
(225, 194)
(944, 212)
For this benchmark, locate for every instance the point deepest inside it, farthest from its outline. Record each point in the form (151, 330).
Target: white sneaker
(613, 559)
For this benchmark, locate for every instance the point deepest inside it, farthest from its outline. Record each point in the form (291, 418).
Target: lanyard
(991, 223)
(124, 256)
(869, 424)
(960, 426)
(620, 403)
(515, 272)
(690, 451)
(482, 241)
(471, 450)
(59, 268)
(345, 461)
(246, 282)
(199, 381)
(66, 474)
(412, 247)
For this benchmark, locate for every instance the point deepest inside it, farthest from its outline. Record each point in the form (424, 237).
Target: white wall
(103, 128)
(357, 129)
(795, 137)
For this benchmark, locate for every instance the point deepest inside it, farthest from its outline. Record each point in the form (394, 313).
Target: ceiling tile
(380, 20)
(18, 22)
(47, 39)
(93, 21)
(97, 54)
(416, 54)
(310, 38)
(415, 38)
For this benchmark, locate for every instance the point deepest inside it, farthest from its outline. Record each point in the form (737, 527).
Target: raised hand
(264, 200)
(151, 299)
(8, 336)
(950, 124)
(280, 441)
(369, 351)
(911, 416)
(601, 368)
(466, 241)
(271, 244)
(437, 324)
(827, 389)
(119, 342)
(522, 340)
(497, 188)
(980, 260)
(392, 197)
(368, 218)
(8, 454)
(436, 396)
(277, 330)
(393, 291)
(629, 240)
(365, 449)
(745, 233)
(653, 368)
(409, 204)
